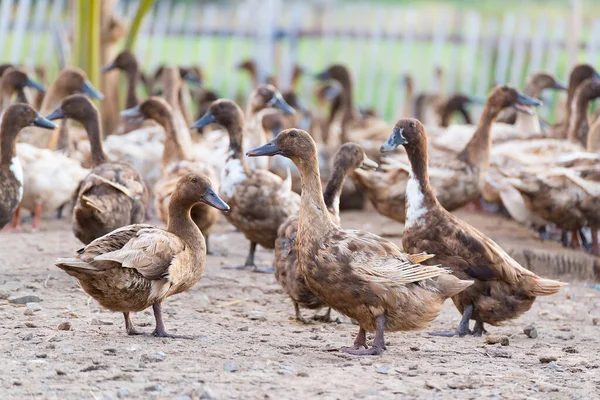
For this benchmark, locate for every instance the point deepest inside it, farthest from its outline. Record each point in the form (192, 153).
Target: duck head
(272, 121)
(125, 61)
(20, 115)
(405, 129)
(542, 80)
(17, 79)
(249, 66)
(154, 108)
(192, 74)
(351, 156)
(504, 96)
(73, 80)
(295, 144)
(223, 112)
(337, 72)
(579, 74)
(266, 96)
(77, 107)
(195, 188)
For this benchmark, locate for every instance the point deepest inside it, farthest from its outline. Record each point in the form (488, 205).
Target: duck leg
(160, 331)
(463, 327)
(129, 326)
(584, 242)
(15, 224)
(478, 329)
(378, 344)
(37, 215)
(299, 317)
(595, 250)
(575, 244)
(564, 238)
(324, 318)
(249, 264)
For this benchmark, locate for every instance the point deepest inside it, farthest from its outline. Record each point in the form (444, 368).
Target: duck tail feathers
(544, 287)
(449, 285)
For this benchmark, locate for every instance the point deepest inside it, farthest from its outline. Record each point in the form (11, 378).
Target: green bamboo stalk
(86, 43)
(143, 8)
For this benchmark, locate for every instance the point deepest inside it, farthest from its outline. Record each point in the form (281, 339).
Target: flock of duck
(152, 166)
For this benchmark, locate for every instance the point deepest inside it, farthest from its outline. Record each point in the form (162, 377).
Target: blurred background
(443, 46)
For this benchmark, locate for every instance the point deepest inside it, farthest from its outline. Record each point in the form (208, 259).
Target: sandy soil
(246, 344)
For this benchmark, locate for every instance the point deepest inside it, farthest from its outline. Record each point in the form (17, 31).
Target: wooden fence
(380, 43)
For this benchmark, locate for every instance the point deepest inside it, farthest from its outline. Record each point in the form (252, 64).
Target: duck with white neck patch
(357, 273)
(260, 201)
(503, 289)
(15, 118)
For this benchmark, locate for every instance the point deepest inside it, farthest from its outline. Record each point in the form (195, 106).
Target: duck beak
(269, 149)
(323, 76)
(91, 91)
(278, 102)
(33, 84)
(133, 112)
(369, 164)
(42, 122)
(56, 114)
(524, 100)
(596, 75)
(192, 78)
(108, 67)
(559, 86)
(206, 119)
(213, 200)
(395, 140)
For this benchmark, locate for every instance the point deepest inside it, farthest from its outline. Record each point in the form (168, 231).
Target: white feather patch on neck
(17, 170)
(231, 175)
(415, 202)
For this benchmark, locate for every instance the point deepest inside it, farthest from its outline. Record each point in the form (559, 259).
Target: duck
(138, 266)
(457, 103)
(15, 118)
(427, 104)
(176, 162)
(357, 273)
(458, 179)
(287, 271)
(260, 200)
(127, 63)
(113, 194)
(579, 73)
(13, 82)
(502, 289)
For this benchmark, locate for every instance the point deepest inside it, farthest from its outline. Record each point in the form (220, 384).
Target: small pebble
(4, 295)
(34, 307)
(68, 351)
(28, 312)
(243, 329)
(30, 325)
(531, 332)
(28, 336)
(122, 393)
(495, 339)
(570, 350)
(414, 348)
(383, 370)
(41, 355)
(595, 321)
(110, 352)
(256, 317)
(230, 367)
(96, 321)
(302, 374)
(153, 358)
(432, 385)
(17, 383)
(60, 372)
(152, 388)
(208, 394)
(545, 359)
(498, 352)
(24, 299)
(64, 326)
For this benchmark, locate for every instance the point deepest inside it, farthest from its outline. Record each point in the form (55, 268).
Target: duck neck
(6, 95)
(314, 216)
(181, 224)
(333, 189)
(578, 121)
(236, 139)
(173, 151)
(532, 90)
(477, 151)
(8, 142)
(132, 75)
(419, 195)
(92, 127)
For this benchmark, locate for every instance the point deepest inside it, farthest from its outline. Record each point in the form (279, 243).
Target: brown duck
(357, 273)
(15, 118)
(114, 193)
(138, 266)
(503, 289)
(176, 163)
(287, 272)
(260, 201)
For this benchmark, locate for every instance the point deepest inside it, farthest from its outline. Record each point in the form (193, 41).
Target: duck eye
(195, 180)
(293, 134)
(504, 89)
(412, 125)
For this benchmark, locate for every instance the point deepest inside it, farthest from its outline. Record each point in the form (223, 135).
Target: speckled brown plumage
(503, 289)
(114, 193)
(358, 273)
(136, 266)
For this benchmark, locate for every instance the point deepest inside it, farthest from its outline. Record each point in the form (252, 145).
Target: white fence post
(469, 68)
(508, 28)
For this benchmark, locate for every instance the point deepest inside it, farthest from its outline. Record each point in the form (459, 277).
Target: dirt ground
(247, 346)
